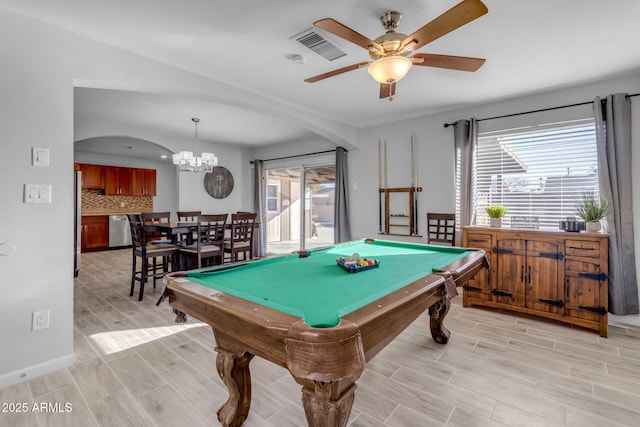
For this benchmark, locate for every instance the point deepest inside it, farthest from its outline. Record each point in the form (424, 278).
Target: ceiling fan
(393, 52)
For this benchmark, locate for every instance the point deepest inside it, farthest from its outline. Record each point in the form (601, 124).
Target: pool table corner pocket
(326, 362)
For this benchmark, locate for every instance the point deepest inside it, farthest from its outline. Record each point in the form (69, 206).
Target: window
(538, 173)
(273, 195)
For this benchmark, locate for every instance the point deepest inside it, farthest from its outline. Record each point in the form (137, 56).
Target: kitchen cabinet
(118, 181)
(143, 182)
(94, 232)
(92, 176)
(552, 274)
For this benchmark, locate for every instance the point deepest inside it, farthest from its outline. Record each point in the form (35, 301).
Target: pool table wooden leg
(437, 313)
(321, 407)
(234, 372)
(327, 365)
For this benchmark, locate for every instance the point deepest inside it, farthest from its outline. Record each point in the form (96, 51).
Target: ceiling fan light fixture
(390, 69)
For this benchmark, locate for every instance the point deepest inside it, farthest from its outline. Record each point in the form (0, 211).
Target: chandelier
(186, 161)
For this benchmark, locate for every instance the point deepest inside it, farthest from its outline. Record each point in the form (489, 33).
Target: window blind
(538, 173)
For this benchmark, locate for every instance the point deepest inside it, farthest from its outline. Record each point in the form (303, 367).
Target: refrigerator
(77, 227)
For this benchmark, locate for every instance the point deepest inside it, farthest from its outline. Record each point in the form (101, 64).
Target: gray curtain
(259, 206)
(465, 135)
(341, 230)
(613, 136)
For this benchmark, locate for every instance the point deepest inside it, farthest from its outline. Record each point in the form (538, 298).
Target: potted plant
(496, 212)
(593, 209)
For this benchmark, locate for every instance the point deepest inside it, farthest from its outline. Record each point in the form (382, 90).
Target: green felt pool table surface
(318, 290)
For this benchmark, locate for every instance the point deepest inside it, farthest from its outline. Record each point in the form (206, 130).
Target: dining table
(174, 229)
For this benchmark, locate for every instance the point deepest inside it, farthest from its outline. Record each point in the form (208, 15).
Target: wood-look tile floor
(136, 367)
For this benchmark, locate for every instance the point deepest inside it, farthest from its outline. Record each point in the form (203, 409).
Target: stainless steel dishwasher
(119, 231)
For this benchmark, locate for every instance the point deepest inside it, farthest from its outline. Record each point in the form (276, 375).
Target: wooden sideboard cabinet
(554, 274)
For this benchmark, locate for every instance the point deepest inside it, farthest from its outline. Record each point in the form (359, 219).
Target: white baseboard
(34, 371)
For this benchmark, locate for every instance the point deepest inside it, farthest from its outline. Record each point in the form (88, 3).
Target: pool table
(308, 314)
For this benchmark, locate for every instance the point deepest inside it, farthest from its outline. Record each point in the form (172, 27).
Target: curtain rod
(298, 155)
(446, 125)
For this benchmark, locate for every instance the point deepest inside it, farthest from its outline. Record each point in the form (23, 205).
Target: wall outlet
(40, 320)
(122, 204)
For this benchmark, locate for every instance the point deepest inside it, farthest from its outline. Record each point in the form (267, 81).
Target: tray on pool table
(353, 267)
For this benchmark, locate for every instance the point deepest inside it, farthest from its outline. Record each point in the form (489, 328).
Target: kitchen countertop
(107, 213)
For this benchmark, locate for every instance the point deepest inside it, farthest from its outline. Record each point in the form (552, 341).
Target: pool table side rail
(381, 321)
(466, 267)
(378, 323)
(233, 317)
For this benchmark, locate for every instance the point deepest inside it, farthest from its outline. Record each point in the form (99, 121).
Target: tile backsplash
(95, 202)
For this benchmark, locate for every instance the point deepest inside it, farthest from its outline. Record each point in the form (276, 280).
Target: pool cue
(413, 191)
(413, 163)
(414, 154)
(379, 187)
(386, 190)
(385, 164)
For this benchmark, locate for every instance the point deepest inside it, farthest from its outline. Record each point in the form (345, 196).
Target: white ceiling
(530, 46)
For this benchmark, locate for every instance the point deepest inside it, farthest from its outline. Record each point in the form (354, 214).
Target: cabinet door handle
(595, 276)
(600, 310)
(522, 273)
(554, 302)
(501, 293)
(529, 275)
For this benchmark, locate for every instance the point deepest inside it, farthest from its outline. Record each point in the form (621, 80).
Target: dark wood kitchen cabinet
(118, 181)
(144, 182)
(92, 176)
(94, 232)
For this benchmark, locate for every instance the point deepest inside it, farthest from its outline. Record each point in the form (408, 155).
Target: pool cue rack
(407, 218)
(403, 219)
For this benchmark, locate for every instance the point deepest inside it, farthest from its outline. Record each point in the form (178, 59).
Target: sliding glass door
(300, 208)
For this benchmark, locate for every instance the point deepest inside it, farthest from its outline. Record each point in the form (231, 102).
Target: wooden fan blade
(461, 63)
(334, 27)
(336, 72)
(387, 90)
(459, 15)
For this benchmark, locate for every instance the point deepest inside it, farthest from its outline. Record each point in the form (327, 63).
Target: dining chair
(209, 243)
(241, 236)
(157, 218)
(146, 251)
(190, 216)
(441, 228)
(159, 237)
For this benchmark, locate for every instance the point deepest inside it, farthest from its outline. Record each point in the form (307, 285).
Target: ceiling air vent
(319, 44)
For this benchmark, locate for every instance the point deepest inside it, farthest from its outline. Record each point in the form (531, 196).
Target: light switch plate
(37, 193)
(39, 156)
